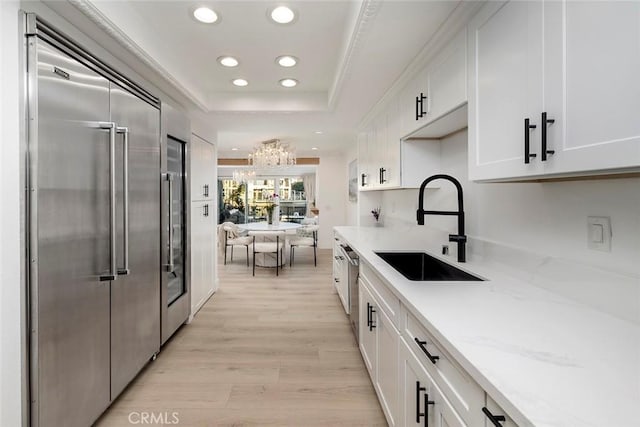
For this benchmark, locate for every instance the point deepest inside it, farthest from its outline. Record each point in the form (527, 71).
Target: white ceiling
(350, 52)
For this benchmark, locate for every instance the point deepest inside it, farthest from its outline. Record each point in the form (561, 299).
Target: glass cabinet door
(176, 166)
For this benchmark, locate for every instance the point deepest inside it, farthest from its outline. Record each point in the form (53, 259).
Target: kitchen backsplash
(545, 223)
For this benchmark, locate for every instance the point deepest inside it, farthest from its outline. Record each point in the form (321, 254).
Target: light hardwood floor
(264, 350)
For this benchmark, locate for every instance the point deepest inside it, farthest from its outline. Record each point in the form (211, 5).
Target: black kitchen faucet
(459, 238)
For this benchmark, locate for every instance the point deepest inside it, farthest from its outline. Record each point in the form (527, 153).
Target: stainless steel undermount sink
(420, 266)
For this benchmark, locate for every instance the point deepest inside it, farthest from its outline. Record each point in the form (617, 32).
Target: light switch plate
(599, 233)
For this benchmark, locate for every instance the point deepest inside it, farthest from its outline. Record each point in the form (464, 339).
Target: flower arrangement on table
(272, 202)
(376, 214)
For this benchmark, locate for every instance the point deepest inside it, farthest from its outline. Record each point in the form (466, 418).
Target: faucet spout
(460, 238)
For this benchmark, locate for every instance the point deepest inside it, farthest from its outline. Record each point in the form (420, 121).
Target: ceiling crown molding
(113, 31)
(366, 16)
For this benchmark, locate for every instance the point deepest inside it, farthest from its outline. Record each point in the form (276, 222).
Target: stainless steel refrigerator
(94, 229)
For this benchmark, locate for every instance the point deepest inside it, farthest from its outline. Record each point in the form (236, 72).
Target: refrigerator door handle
(112, 200)
(125, 197)
(169, 267)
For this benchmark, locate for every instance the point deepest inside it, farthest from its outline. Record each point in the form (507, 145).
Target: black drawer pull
(527, 128)
(368, 315)
(497, 420)
(423, 347)
(362, 181)
(545, 121)
(382, 178)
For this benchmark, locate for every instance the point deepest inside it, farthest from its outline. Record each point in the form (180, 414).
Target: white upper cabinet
(597, 112)
(505, 88)
(577, 63)
(203, 169)
(447, 78)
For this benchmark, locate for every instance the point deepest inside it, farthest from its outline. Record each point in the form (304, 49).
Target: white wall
(331, 196)
(11, 356)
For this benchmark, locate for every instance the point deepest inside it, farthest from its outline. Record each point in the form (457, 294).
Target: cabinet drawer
(387, 300)
(461, 390)
(495, 414)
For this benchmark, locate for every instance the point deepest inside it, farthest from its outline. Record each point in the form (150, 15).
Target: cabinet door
(409, 109)
(422, 403)
(367, 334)
(202, 252)
(594, 49)
(391, 162)
(387, 357)
(363, 160)
(447, 78)
(202, 169)
(505, 88)
(495, 411)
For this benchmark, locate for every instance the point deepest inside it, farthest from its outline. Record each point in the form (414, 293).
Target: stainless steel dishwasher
(353, 268)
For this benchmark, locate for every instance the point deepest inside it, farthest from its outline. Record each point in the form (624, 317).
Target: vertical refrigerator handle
(125, 197)
(169, 267)
(112, 200)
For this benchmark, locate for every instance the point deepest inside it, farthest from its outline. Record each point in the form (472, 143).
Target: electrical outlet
(599, 233)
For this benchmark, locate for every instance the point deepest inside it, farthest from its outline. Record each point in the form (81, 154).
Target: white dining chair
(306, 237)
(268, 246)
(233, 237)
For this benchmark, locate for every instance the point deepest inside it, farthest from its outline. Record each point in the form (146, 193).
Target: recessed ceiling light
(240, 82)
(314, 148)
(288, 82)
(318, 132)
(234, 149)
(206, 15)
(282, 15)
(286, 61)
(228, 61)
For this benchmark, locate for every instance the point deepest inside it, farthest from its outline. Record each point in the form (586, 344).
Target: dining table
(269, 260)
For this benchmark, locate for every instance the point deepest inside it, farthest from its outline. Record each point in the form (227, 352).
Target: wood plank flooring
(264, 351)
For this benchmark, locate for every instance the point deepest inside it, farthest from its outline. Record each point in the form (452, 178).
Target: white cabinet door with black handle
(422, 402)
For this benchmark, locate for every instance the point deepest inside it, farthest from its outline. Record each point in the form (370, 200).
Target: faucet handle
(420, 216)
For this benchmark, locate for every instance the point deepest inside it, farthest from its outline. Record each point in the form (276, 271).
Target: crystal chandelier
(243, 175)
(272, 154)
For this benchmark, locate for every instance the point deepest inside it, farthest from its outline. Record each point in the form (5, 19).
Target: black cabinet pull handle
(206, 210)
(362, 182)
(372, 325)
(545, 122)
(382, 178)
(368, 315)
(497, 420)
(205, 193)
(418, 390)
(527, 128)
(427, 402)
(420, 113)
(423, 347)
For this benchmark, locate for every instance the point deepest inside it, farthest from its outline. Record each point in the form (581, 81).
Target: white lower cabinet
(203, 243)
(387, 357)
(423, 404)
(417, 381)
(367, 310)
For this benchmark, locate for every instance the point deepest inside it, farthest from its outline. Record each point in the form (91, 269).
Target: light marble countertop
(548, 360)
